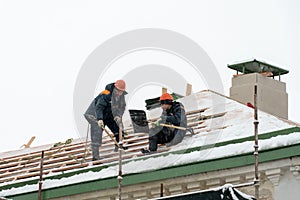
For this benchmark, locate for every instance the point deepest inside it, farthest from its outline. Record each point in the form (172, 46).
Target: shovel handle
(172, 126)
(111, 137)
(179, 127)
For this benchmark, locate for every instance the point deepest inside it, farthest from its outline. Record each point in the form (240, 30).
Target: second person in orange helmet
(174, 114)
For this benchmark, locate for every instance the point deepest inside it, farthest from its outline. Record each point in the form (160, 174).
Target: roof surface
(224, 129)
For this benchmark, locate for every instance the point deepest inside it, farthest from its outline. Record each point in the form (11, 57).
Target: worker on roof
(174, 114)
(106, 109)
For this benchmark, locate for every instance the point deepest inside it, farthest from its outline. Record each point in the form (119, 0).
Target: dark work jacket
(106, 106)
(109, 105)
(176, 116)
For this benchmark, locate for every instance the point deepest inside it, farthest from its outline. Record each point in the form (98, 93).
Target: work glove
(156, 123)
(101, 123)
(118, 120)
(160, 121)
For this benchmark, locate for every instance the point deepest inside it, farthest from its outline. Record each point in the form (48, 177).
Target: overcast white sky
(43, 45)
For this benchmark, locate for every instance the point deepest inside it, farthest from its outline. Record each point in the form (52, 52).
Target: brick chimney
(271, 93)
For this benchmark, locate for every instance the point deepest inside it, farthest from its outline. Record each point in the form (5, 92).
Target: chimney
(271, 94)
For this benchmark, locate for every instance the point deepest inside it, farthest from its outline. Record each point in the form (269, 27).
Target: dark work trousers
(96, 131)
(159, 135)
(96, 137)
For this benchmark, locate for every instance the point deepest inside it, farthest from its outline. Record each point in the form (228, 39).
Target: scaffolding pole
(120, 163)
(41, 176)
(256, 178)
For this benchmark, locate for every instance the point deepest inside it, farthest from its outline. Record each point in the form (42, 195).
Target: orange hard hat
(166, 96)
(120, 85)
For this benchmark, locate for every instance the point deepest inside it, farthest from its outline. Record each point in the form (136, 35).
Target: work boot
(147, 151)
(95, 153)
(95, 158)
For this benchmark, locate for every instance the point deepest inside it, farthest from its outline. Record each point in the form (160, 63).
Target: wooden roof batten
(72, 156)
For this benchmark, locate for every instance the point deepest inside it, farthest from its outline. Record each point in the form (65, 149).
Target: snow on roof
(235, 122)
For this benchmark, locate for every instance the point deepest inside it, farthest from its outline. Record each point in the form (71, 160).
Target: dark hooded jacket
(105, 107)
(176, 116)
(108, 105)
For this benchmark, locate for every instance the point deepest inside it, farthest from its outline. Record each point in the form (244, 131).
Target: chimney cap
(255, 66)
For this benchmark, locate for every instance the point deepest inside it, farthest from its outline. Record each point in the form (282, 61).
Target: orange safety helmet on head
(166, 96)
(166, 99)
(120, 85)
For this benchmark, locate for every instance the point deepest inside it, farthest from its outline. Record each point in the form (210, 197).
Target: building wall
(279, 180)
(288, 186)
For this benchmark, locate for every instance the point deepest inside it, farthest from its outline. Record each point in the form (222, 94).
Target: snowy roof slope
(236, 123)
(223, 120)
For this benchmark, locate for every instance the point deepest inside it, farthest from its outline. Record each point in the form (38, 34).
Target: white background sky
(43, 45)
